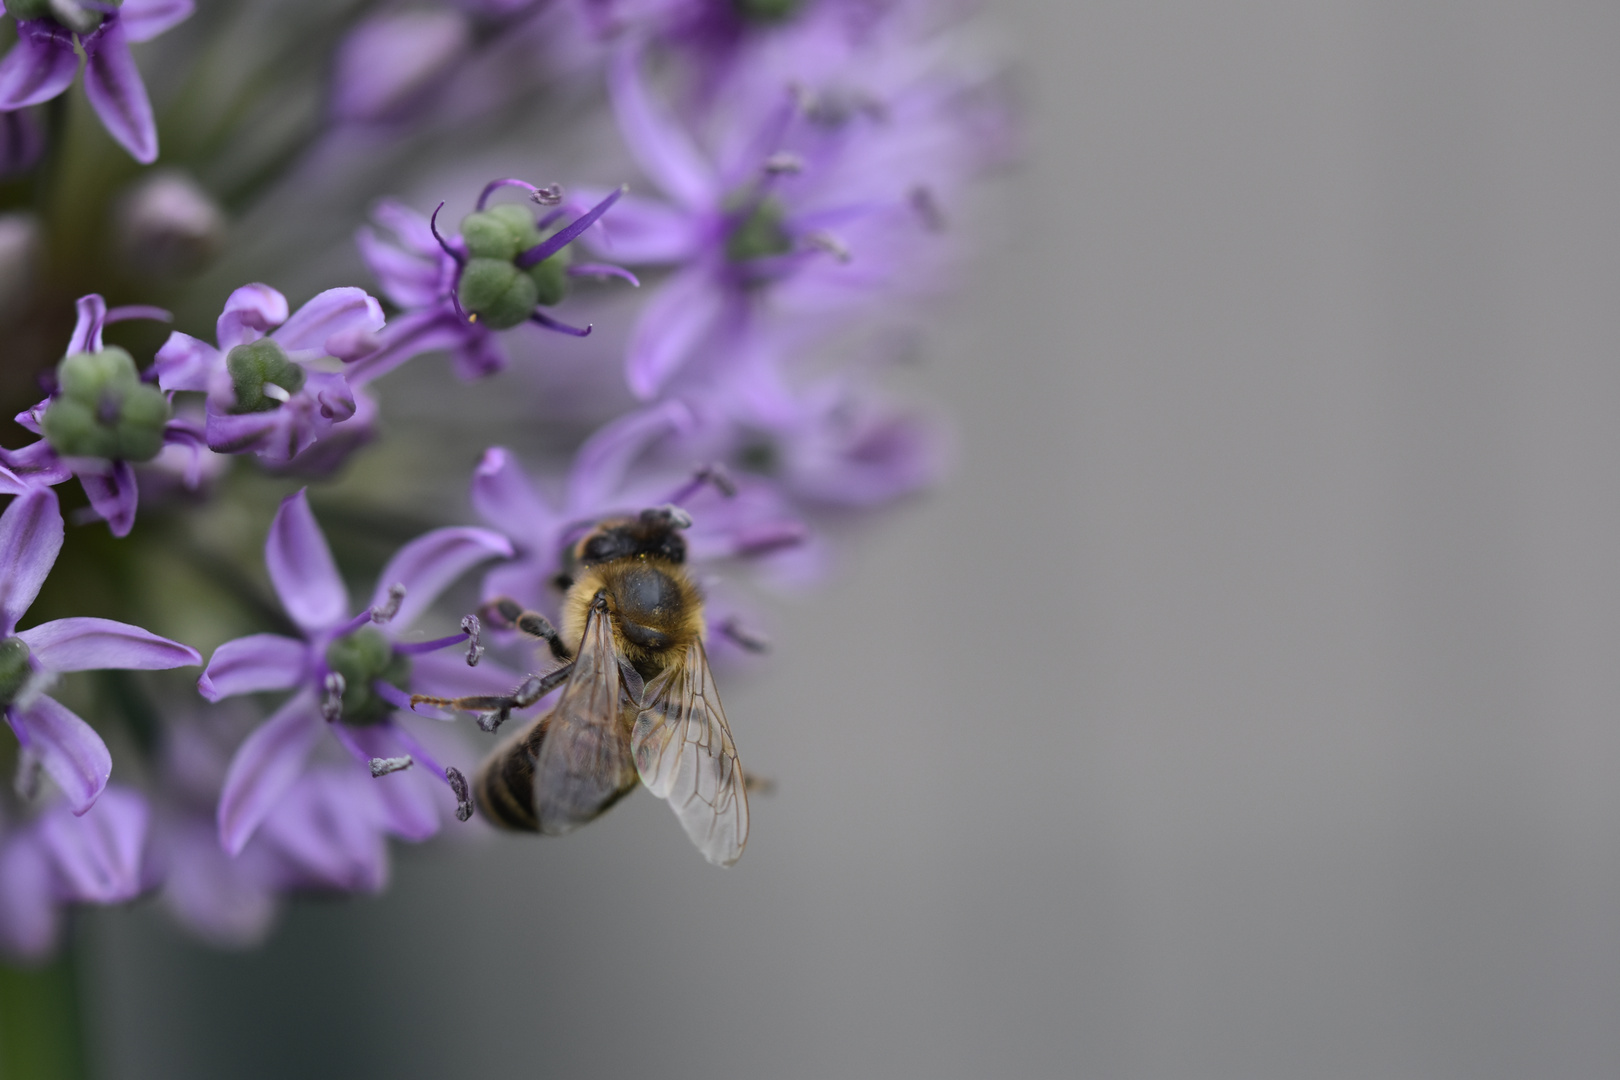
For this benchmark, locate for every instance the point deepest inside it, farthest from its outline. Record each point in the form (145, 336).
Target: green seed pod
(519, 222)
(255, 364)
(550, 277)
(496, 293)
(104, 410)
(14, 669)
(362, 658)
(766, 10)
(759, 234)
(488, 237)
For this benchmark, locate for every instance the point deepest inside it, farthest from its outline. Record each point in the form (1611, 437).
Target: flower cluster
(755, 217)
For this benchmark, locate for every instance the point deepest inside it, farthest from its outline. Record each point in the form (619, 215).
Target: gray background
(1245, 707)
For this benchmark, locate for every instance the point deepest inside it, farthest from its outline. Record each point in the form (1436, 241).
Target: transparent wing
(583, 766)
(684, 753)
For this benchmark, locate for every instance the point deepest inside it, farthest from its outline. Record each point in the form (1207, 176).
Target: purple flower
(51, 735)
(743, 520)
(101, 421)
(268, 391)
(43, 62)
(92, 857)
(348, 674)
(810, 180)
(456, 293)
(391, 61)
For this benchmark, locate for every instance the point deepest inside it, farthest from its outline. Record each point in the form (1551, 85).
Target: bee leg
(758, 785)
(536, 625)
(746, 639)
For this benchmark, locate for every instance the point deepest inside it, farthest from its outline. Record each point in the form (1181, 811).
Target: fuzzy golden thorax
(657, 610)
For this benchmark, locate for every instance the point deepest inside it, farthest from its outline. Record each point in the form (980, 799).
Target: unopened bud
(103, 410)
(168, 225)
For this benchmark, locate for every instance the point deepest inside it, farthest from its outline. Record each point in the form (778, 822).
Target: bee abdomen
(505, 783)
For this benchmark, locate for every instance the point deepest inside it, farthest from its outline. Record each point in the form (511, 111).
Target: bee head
(654, 533)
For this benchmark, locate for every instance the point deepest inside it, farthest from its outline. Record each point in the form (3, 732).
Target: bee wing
(684, 753)
(583, 765)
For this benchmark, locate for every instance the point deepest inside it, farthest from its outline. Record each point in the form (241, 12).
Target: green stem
(41, 1031)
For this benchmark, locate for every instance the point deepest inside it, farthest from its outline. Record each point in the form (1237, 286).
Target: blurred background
(1245, 706)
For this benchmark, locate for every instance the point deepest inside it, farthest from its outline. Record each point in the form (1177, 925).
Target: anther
(458, 786)
(747, 639)
(550, 195)
(784, 161)
(829, 243)
(382, 766)
(385, 611)
(332, 707)
(471, 627)
(719, 477)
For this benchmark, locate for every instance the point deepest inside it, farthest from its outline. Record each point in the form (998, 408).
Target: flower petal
(662, 149)
(388, 61)
(185, 363)
(333, 312)
(428, 564)
(71, 751)
(98, 854)
(641, 230)
(672, 324)
(601, 463)
(85, 644)
(249, 314)
(228, 902)
(256, 662)
(92, 316)
(40, 66)
(30, 538)
(113, 84)
(502, 495)
(113, 495)
(28, 915)
(301, 567)
(146, 19)
(266, 766)
(328, 829)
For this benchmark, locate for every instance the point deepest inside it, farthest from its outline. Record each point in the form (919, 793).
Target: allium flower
(50, 734)
(94, 857)
(730, 520)
(268, 393)
(43, 62)
(348, 674)
(497, 273)
(102, 420)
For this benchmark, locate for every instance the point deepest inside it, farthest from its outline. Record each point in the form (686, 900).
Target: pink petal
(30, 538)
(428, 564)
(146, 19)
(643, 231)
(601, 463)
(503, 497)
(265, 768)
(92, 316)
(40, 66)
(249, 314)
(329, 314)
(71, 751)
(85, 644)
(185, 363)
(29, 921)
(660, 146)
(113, 495)
(113, 84)
(98, 854)
(253, 663)
(301, 567)
(675, 320)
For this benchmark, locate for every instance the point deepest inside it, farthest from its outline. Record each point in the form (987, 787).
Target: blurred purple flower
(391, 60)
(348, 674)
(109, 483)
(267, 391)
(93, 857)
(42, 63)
(421, 272)
(51, 735)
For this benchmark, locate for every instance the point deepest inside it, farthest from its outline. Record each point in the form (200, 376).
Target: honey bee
(638, 700)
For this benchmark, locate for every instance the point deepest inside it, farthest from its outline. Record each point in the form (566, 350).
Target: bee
(638, 699)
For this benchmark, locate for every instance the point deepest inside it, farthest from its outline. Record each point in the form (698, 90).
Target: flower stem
(41, 1033)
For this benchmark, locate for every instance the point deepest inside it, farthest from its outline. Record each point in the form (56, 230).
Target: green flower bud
(766, 10)
(499, 232)
(104, 410)
(362, 658)
(550, 277)
(496, 293)
(759, 234)
(14, 669)
(255, 364)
